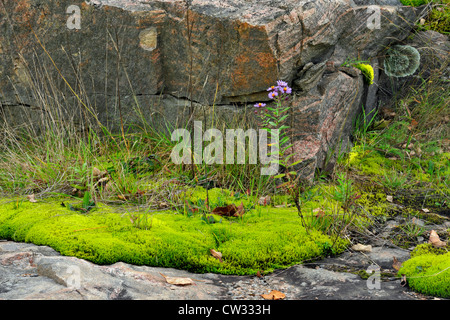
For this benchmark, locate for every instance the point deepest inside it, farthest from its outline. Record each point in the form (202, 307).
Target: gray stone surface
(378, 2)
(30, 272)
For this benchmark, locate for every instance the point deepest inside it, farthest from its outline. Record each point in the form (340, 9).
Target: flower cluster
(280, 91)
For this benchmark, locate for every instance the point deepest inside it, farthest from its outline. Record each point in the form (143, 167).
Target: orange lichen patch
(149, 18)
(22, 12)
(254, 54)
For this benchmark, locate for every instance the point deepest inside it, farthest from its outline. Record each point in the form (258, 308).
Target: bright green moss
(414, 3)
(368, 162)
(427, 248)
(439, 20)
(367, 71)
(428, 273)
(375, 203)
(263, 239)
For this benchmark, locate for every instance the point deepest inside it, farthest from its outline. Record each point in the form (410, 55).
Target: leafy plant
(274, 118)
(393, 180)
(86, 204)
(141, 220)
(343, 190)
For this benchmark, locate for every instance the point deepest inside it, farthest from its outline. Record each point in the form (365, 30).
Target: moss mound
(428, 271)
(264, 238)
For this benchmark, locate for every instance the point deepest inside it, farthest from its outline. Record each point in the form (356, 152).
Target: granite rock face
(160, 55)
(30, 272)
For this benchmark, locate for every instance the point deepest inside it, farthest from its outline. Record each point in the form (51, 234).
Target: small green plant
(362, 126)
(274, 118)
(141, 220)
(210, 219)
(87, 203)
(344, 189)
(393, 180)
(412, 230)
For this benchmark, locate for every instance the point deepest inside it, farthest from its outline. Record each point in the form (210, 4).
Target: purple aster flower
(285, 90)
(281, 84)
(259, 105)
(273, 94)
(272, 88)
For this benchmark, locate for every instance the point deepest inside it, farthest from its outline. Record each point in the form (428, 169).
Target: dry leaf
(163, 204)
(390, 198)
(319, 212)
(274, 295)
(216, 254)
(435, 240)
(403, 281)
(258, 274)
(264, 201)
(121, 197)
(97, 173)
(425, 210)
(178, 281)
(103, 180)
(362, 248)
(283, 205)
(413, 124)
(31, 198)
(419, 151)
(230, 210)
(240, 210)
(397, 264)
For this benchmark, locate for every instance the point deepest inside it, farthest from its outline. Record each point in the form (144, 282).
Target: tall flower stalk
(273, 118)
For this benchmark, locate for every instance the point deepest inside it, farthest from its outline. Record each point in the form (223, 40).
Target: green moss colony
(263, 239)
(414, 3)
(367, 71)
(428, 271)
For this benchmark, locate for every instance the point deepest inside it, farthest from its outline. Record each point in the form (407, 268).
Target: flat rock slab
(30, 272)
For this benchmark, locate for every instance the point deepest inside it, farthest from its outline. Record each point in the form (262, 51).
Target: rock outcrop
(95, 57)
(30, 272)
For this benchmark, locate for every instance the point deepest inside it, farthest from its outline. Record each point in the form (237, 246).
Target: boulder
(96, 60)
